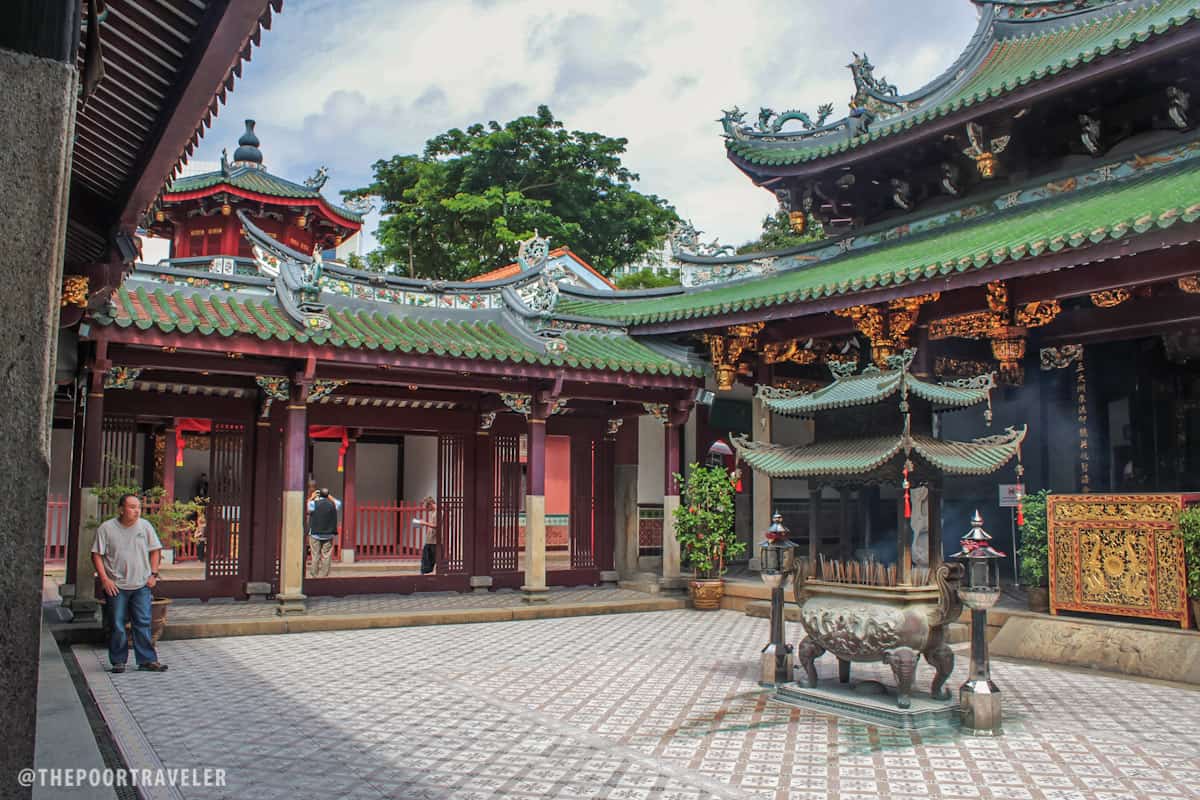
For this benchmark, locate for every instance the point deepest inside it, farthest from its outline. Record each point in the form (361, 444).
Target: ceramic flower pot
(707, 593)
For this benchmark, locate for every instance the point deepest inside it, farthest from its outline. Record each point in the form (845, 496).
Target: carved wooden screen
(120, 449)
(506, 502)
(1118, 554)
(228, 498)
(583, 527)
(452, 502)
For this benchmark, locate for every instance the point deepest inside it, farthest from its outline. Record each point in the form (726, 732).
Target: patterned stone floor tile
(663, 706)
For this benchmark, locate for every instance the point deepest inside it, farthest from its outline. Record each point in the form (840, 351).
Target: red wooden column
(93, 435)
(535, 504)
(677, 417)
(479, 548)
(170, 453)
(91, 474)
(291, 556)
(350, 498)
(602, 506)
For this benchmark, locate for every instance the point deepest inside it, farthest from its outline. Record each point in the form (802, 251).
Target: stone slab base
(308, 623)
(1167, 654)
(831, 697)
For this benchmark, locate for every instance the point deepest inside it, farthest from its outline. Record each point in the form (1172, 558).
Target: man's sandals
(153, 666)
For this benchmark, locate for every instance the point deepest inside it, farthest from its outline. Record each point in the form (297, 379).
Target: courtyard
(643, 705)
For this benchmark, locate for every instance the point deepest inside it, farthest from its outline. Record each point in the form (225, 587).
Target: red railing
(58, 518)
(384, 531)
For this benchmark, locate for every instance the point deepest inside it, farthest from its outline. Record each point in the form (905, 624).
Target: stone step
(641, 582)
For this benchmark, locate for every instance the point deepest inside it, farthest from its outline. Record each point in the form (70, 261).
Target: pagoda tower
(198, 213)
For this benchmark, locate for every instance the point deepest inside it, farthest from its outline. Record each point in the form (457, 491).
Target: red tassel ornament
(907, 498)
(179, 441)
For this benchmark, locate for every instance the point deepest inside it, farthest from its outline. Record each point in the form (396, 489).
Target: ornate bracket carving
(888, 329)
(1109, 298)
(983, 150)
(121, 377)
(75, 291)
(1060, 357)
(725, 350)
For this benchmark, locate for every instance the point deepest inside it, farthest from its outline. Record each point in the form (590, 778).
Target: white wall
(790, 431)
(375, 476)
(651, 464)
(420, 468)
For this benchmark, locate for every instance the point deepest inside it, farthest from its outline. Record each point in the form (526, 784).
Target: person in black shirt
(322, 528)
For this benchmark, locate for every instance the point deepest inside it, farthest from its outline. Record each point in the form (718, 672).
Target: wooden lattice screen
(119, 445)
(506, 502)
(451, 489)
(227, 493)
(582, 522)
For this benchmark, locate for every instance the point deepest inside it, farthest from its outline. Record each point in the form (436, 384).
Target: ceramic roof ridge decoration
(873, 385)
(248, 152)
(1068, 217)
(1013, 46)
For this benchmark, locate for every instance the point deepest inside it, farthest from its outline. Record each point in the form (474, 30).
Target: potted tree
(1189, 526)
(1034, 553)
(704, 528)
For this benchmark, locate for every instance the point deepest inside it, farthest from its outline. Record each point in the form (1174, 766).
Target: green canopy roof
(1005, 55)
(258, 180)
(144, 304)
(1110, 210)
(872, 386)
(866, 457)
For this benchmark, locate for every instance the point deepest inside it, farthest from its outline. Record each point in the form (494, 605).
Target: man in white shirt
(126, 555)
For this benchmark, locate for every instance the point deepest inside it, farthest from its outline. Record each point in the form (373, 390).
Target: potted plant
(1034, 552)
(704, 528)
(1189, 526)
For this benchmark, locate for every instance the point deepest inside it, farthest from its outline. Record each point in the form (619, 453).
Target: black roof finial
(248, 152)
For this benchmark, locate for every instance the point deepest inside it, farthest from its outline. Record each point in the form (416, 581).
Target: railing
(58, 517)
(386, 531)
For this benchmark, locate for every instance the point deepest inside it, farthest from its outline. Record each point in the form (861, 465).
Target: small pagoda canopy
(872, 424)
(872, 386)
(875, 458)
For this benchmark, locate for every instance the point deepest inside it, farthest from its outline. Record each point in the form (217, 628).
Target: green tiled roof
(1009, 64)
(861, 457)
(148, 306)
(253, 179)
(869, 387)
(1115, 210)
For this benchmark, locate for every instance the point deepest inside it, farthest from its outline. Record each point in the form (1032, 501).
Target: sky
(343, 83)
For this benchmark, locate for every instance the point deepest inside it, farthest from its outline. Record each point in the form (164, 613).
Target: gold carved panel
(1118, 554)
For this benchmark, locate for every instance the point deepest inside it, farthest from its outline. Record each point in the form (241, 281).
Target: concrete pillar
(38, 97)
(761, 485)
(671, 575)
(625, 497)
(535, 511)
(290, 597)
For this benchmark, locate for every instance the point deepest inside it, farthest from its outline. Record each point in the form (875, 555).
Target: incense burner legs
(903, 661)
(807, 653)
(941, 658)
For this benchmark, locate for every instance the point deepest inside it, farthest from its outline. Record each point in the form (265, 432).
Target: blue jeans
(134, 603)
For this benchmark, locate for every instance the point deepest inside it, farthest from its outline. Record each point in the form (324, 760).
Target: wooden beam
(1131, 319)
(223, 33)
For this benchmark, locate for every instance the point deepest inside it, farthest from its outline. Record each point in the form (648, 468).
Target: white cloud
(346, 84)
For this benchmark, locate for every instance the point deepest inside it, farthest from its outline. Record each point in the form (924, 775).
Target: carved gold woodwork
(1118, 554)
(997, 297)
(725, 350)
(1037, 314)
(888, 330)
(798, 221)
(802, 385)
(972, 325)
(1109, 297)
(791, 350)
(75, 291)
(944, 367)
(1008, 347)
(1190, 284)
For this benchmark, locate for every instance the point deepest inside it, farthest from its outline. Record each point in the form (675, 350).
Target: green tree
(461, 207)
(647, 279)
(777, 234)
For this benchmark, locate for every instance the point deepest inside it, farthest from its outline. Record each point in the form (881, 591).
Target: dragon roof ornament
(685, 240)
(297, 277)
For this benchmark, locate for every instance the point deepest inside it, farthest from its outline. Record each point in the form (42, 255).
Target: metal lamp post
(778, 559)
(979, 590)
